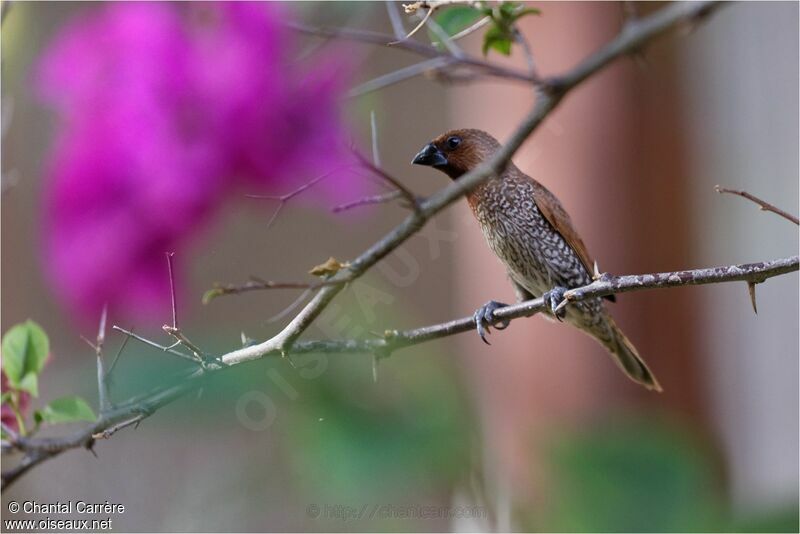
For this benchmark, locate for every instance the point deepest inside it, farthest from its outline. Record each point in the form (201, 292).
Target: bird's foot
(556, 302)
(484, 318)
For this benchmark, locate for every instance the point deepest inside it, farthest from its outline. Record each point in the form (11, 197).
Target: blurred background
(538, 431)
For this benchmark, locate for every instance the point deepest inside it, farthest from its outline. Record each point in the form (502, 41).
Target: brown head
(458, 151)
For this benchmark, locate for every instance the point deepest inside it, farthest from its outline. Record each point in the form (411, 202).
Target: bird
(531, 233)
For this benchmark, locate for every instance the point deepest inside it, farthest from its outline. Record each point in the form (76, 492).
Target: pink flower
(167, 111)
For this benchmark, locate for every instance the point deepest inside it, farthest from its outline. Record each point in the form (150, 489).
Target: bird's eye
(453, 142)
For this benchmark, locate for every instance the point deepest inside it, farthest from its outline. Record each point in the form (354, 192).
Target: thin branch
(107, 433)
(472, 29)
(764, 205)
(417, 27)
(173, 299)
(373, 128)
(401, 75)
(446, 40)
(291, 194)
(256, 284)
(155, 345)
(395, 19)
(291, 307)
(181, 339)
(636, 33)
(416, 47)
(116, 357)
(174, 330)
(527, 52)
(365, 201)
(409, 195)
(102, 377)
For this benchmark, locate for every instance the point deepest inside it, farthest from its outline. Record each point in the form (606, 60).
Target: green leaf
(527, 11)
(25, 351)
(458, 18)
(496, 39)
(507, 10)
(67, 410)
(30, 383)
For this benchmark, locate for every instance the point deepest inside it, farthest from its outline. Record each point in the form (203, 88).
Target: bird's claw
(557, 303)
(484, 319)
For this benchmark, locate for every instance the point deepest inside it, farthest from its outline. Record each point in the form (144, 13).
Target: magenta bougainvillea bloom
(167, 110)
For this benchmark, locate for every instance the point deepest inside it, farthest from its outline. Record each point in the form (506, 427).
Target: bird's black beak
(430, 155)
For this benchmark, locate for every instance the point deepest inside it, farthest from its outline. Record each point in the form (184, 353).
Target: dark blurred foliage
(638, 474)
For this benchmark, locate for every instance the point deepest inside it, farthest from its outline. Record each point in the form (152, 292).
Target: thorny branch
(132, 412)
(257, 284)
(764, 205)
(636, 34)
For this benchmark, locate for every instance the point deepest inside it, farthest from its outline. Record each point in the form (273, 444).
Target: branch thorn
(751, 288)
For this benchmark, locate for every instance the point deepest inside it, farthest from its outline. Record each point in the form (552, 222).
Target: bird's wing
(558, 218)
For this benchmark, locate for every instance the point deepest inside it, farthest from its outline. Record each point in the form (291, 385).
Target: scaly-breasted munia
(528, 229)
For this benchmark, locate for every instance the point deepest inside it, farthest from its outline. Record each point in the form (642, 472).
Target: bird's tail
(627, 357)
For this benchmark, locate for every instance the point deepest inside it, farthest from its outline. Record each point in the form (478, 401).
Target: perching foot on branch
(556, 302)
(484, 319)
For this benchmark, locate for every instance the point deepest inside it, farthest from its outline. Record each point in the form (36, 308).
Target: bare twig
(181, 339)
(417, 27)
(472, 29)
(527, 52)
(107, 433)
(256, 284)
(764, 206)
(97, 347)
(282, 199)
(102, 378)
(445, 39)
(410, 45)
(374, 199)
(395, 19)
(373, 128)
(116, 358)
(409, 195)
(174, 330)
(291, 307)
(169, 350)
(173, 298)
(401, 75)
